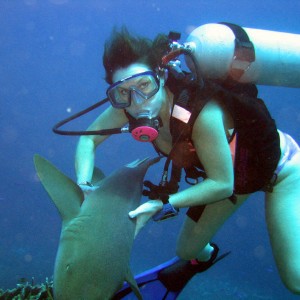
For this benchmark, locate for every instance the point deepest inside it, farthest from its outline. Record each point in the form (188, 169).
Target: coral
(29, 291)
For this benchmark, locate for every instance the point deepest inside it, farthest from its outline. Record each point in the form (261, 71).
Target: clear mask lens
(143, 86)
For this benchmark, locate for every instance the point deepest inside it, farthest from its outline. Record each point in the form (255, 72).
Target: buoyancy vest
(255, 139)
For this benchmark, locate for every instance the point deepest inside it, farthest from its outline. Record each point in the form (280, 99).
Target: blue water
(50, 66)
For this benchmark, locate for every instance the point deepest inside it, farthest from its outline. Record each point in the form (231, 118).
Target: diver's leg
(193, 243)
(283, 221)
(194, 238)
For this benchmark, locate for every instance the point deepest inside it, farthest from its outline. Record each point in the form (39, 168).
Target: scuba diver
(221, 135)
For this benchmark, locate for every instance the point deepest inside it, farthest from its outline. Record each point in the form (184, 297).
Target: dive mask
(144, 85)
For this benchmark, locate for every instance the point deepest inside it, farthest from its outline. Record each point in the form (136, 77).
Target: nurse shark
(92, 260)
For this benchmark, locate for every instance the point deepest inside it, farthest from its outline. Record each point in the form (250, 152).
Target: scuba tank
(226, 51)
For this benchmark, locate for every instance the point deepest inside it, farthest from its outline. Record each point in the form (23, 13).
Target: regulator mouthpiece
(145, 129)
(144, 134)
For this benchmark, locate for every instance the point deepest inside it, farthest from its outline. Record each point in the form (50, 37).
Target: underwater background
(50, 67)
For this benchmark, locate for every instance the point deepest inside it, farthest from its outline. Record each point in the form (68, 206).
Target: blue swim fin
(166, 281)
(149, 284)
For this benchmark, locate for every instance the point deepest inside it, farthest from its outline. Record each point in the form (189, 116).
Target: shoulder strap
(187, 106)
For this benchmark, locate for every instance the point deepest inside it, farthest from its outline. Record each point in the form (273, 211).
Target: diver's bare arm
(85, 152)
(213, 150)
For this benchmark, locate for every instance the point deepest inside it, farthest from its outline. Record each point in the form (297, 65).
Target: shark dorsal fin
(63, 191)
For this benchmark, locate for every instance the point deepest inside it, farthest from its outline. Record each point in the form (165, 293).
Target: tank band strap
(244, 52)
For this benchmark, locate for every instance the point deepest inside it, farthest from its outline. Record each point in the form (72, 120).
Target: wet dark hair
(124, 49)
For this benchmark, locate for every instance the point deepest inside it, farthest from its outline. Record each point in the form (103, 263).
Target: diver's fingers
(150, 207)
(144, 208)
(145, 212)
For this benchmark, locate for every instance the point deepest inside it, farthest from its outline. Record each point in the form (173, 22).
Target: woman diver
(236, 144)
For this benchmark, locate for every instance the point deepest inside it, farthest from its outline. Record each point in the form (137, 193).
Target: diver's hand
(144, 212)
(87, 188)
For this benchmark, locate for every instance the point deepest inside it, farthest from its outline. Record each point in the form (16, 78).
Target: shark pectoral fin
(63, 191)
(98, 175)
(131, 281)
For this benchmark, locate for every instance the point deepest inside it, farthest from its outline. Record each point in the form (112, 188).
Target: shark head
(97, 234)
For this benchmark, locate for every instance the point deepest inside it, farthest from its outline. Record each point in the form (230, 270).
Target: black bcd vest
(258, 145)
